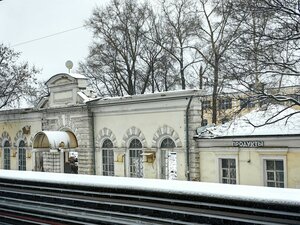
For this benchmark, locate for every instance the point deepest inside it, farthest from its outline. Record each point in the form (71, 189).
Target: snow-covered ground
(251, 193)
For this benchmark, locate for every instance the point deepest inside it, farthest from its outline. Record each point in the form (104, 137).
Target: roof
(77, 76)
(72, 75)
(242, 126)
(157, 96)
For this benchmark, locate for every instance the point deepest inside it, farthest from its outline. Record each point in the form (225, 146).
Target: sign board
(248, 144)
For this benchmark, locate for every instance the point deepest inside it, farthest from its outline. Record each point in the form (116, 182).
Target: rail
(40, 198)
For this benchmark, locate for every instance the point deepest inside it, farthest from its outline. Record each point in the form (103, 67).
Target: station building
(135, 136)
(147, 136)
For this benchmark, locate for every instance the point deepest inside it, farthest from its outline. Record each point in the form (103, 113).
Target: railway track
(35, 202)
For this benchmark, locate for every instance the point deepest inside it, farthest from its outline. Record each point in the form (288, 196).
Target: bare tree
(264, 60)
(36, 93)
(160, 69)
(180, 22)
(16, 79)
(273, 51)
(215, 37)
(114, 57)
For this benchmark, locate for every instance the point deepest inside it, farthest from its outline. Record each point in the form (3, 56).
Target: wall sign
(248, 144)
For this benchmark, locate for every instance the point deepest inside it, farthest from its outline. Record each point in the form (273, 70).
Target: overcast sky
(26, 20)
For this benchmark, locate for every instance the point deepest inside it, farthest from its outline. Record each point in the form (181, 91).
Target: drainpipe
(91, 115)
(187, 138)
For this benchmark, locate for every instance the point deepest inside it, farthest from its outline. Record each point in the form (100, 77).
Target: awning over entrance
(55, 140)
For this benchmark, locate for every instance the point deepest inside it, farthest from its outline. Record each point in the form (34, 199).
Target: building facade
(147, 136)
(135, 136)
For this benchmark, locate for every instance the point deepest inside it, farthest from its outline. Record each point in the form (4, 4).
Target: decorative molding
(5, 136)
(65, 123)
(18, 137)
(132, 133)
(105, 133)
(163, 132)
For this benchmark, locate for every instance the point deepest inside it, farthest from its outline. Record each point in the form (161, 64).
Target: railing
(44, 198)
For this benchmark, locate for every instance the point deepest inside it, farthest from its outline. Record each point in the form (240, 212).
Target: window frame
(21, 156)
(138, 151)
(225, 103)
(247, 103)
(164, 161)
(219, 166)
(204, 122)
(206, 104)
(107, 152)
(264, 159)
(5, 149)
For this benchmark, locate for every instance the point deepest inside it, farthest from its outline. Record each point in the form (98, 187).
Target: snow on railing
(215, 190)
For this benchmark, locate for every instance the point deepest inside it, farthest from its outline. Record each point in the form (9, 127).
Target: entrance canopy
(55, 140)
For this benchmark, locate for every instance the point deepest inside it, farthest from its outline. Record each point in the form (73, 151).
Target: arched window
(168, 159)
(135, 158)
(22, 155)
(108, 158)
(167, 143)
(6, 148)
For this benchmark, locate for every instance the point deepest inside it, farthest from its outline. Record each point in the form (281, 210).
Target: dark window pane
(225, 173)
(224, 163)
(135, 143)
(270, 165)
(232, 163)
(232, 173)
(279, 165)
(279, 176)
(167, 143)
(270, 175)
(225, 181)
(107, 144)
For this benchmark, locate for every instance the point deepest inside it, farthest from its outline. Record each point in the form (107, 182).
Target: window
(228, 171)
(135, 159)
(107, 158)
(274, 173)
(246, 103)
(22, 156)
(224, 120)
(169, 159)
(6, 157)
(225, 103)
(206, 105)
(295, 97)
(204, 122)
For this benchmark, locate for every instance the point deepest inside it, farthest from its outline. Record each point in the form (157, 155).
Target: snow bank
(250, 193)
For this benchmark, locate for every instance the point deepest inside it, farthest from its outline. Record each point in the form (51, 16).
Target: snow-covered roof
(156, 95)
(77, 76)
(242, 126)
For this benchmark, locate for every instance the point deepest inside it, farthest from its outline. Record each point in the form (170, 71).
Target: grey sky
(25, 20)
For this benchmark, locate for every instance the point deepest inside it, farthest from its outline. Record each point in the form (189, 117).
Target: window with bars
(206, 104)
(228, 171)
(225, 103)
(274, 173)
(22, 155)
(168, 159)
(108, 158)
(246, 103)
(204, 122)
(135, 158)
(6, 157)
